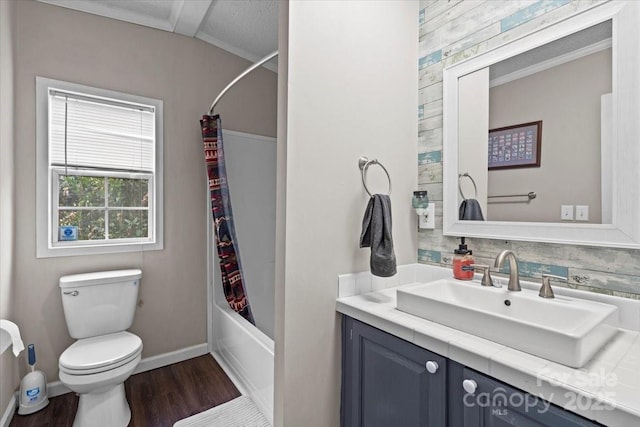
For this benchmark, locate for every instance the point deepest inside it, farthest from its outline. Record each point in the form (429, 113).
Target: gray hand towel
(470, 210)
(376, 234)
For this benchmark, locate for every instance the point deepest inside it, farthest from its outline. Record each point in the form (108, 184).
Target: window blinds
(100, 133)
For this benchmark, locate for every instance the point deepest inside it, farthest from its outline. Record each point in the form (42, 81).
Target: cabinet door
(495, 404)
(386, 382)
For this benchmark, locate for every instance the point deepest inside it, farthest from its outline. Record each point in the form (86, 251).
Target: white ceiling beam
(190, 17)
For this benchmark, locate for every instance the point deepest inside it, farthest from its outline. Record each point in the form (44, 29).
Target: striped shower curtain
(226, 242)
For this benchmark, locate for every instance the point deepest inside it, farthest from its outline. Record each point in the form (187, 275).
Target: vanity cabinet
(389, 382)
(386, 380)
(476, 400)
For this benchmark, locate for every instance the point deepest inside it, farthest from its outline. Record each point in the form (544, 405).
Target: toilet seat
(99, 354)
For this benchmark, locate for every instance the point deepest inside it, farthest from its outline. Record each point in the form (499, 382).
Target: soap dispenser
(462, 262)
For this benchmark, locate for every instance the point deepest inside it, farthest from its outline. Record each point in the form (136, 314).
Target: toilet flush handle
(72, 293)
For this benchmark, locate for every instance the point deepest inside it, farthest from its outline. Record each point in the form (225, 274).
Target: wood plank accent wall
(454, 30)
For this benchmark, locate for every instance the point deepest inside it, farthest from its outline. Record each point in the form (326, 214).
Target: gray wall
(351, 92)
(187, 74)
(8, 364)
(450, 32)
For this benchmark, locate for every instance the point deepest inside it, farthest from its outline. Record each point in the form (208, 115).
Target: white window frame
(47, 244)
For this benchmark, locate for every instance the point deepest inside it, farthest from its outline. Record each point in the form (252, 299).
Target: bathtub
(245, 354)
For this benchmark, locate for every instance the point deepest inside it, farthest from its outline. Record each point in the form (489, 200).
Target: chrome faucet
(514, 276)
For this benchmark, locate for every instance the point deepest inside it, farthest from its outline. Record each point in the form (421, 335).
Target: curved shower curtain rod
(243, 74)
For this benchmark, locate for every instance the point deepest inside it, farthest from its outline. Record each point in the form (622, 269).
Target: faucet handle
(486, 274)
(545, 290)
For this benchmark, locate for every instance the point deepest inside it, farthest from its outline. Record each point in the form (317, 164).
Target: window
(99, 175)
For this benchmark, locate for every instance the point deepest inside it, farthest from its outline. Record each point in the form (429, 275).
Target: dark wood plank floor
(157, 398)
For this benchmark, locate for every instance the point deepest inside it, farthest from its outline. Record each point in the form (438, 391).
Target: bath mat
(239, 412)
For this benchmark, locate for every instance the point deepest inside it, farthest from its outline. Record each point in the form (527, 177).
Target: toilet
(99, 308)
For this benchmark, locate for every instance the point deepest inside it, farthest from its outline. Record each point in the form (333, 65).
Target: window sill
(60, 251)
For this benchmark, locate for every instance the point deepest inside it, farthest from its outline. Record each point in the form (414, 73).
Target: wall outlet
(428, 221)
(582, 213)
(566, 212)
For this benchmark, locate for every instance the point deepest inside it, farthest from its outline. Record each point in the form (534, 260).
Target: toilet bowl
(96, 369)
(98, 307)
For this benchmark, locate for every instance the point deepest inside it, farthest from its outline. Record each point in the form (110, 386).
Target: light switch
(582, 213)
(566, 212)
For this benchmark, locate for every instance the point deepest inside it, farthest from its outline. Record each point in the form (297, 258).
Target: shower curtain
(226, 242)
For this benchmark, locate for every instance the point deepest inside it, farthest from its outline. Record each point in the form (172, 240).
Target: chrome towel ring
(475, 188)
(363, 164)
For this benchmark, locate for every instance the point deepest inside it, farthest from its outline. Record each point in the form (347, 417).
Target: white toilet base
(107, 409)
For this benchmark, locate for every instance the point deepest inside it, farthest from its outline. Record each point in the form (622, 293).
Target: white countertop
(606, 389)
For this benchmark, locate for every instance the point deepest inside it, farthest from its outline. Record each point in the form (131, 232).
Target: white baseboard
(165, 359)
(9, 412)
(56, 388)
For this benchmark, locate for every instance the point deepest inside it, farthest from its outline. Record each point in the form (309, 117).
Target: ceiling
(246, 28)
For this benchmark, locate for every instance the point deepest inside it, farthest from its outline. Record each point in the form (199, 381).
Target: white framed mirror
(602, 42)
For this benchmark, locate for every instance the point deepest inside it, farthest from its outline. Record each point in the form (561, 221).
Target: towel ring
(475, 188)
(363, 164)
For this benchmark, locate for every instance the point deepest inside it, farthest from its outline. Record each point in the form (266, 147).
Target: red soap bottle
(462, 260)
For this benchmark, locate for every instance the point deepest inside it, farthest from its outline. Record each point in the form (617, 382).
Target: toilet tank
(99, 303)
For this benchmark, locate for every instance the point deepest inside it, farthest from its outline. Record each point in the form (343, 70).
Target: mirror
(564, 88)
(572, 84)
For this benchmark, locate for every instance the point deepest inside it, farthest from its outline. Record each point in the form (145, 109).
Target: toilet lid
(97, 352)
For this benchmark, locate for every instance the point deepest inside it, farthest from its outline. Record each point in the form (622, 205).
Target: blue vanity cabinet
(486, 402)
(386, 383)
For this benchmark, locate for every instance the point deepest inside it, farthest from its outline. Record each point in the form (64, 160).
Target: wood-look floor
(157, 398)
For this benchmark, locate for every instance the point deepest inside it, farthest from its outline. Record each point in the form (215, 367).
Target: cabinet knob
(432, 367)
(469, 386)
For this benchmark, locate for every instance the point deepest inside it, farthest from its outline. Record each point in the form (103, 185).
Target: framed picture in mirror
(516, 146)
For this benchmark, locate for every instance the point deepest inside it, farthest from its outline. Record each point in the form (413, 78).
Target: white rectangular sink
(563, 329)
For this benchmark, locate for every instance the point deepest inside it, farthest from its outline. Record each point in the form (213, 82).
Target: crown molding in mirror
(624, 232)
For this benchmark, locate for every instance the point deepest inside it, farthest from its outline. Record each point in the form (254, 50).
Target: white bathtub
(246, 355)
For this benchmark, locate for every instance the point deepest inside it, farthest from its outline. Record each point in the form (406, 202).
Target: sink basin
(564, 330)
